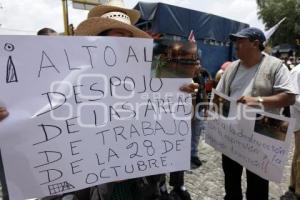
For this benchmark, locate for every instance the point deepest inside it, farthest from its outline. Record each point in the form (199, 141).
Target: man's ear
(256, 43)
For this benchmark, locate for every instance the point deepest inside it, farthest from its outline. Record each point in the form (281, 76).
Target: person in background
(47, 31)
(255, 79)
(221, 71)
(294, 189)
(200, 112)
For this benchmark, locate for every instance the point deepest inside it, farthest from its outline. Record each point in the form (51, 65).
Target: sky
(26, 17)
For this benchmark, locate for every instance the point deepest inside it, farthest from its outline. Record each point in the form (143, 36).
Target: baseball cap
(251, 33)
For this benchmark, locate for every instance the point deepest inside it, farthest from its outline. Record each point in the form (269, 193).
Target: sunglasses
(185, 61)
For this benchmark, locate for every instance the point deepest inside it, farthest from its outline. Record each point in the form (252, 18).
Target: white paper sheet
(85, 111)
(257, 140)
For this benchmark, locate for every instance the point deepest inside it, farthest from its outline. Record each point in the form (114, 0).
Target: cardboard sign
(86, 111)
(256, 139)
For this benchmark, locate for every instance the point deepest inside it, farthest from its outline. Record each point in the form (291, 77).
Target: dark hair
(104, 33)
(261, 46)
(46, 31)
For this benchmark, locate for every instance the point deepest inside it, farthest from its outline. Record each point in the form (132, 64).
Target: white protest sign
(85, 111)
(256, 139)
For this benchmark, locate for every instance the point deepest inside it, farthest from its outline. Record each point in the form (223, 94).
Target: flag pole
(272, 30)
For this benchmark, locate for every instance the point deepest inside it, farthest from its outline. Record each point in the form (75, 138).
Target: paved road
(206, 182)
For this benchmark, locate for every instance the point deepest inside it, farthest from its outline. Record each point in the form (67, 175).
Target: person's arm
(221, 84)
(297, 102)
(280, 100)
(295, 77)
(192, 87)
(284, 89)
(189, 88)
(3, 113)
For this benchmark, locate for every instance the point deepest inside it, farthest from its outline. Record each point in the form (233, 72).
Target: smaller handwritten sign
(256, 139)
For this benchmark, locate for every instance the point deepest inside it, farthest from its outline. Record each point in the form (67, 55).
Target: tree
(272, 11)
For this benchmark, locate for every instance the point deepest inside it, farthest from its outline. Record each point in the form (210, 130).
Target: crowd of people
(244, 79)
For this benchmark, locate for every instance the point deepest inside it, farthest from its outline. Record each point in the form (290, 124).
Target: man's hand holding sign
(3, 113)
(257, 139)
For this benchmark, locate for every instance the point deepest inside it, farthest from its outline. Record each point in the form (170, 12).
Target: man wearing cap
(255, 79)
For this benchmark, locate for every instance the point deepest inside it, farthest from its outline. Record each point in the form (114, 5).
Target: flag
(270, 32)
(191, 37)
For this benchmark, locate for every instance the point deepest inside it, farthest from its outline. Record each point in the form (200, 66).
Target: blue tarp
(211, 31)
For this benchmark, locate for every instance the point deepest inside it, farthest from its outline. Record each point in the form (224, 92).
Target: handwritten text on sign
(255, 139)
(85, 111)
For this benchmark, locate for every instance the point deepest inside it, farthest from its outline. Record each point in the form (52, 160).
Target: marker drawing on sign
(11, 74)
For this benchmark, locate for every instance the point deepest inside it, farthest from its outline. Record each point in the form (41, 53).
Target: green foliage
(272, 11)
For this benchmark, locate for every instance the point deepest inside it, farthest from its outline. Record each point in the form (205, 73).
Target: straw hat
(112, 15)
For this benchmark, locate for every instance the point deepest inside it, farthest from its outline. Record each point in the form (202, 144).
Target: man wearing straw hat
(113, 19)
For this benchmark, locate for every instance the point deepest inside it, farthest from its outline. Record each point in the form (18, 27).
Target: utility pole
(85, 5)
(66, 16)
